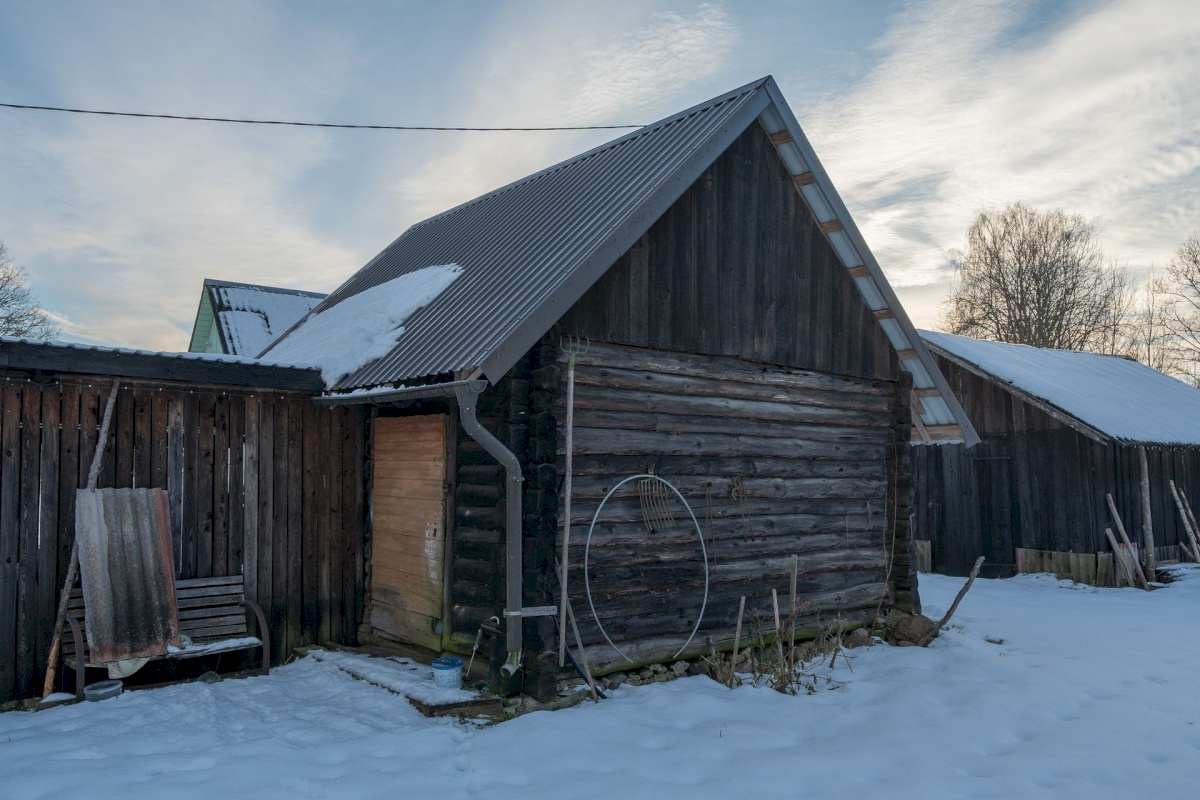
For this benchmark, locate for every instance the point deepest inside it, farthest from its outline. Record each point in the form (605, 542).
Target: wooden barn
(731, 335)
(1060, 430)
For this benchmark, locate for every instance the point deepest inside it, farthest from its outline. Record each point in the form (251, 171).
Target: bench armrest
(264, 635)
(80, 660)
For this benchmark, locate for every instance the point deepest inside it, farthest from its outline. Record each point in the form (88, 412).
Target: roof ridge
(923, 331)
(217, 283)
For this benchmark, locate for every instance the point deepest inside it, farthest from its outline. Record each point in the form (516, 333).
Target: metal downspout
(467, 395)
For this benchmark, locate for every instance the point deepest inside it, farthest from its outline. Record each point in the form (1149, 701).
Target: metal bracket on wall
(533, 611)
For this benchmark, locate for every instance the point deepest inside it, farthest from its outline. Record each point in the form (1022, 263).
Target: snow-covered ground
(1090, 693)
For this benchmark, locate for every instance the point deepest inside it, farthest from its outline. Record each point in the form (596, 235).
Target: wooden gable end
(738, 266)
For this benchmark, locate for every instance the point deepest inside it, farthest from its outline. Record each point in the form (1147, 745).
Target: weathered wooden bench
(212, 613)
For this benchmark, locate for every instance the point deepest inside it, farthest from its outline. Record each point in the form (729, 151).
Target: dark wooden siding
(1034, 482)
(259, 482)
(735, 278)
(738, 267)
(774, 462)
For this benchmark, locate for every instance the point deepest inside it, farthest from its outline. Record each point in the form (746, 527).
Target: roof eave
(1053, 411)
(841, 214)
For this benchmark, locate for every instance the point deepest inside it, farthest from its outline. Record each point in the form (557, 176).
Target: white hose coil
(587, 546)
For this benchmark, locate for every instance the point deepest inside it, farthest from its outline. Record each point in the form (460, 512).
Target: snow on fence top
(345, 337)
(1118, 397)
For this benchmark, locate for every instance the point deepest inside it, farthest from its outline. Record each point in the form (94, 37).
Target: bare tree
(1150, 335)
(20, 314)
(1037, 278)
(1183, 319)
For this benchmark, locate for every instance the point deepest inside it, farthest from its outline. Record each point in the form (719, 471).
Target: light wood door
(408, 553)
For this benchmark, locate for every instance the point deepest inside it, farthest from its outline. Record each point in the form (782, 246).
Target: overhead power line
(315, 124)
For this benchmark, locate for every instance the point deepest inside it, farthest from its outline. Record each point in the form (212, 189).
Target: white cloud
(971, 107)
(119, 220)
(629, 63)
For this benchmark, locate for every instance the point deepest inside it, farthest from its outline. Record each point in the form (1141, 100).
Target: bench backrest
(210, 609)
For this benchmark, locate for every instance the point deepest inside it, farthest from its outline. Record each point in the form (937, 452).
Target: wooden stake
(961, 593)
(1188, 552)
(1147, 516)
(566, 543)
(791, 602)
(73, 568)
(1187, 523)
(1137, 569)
(778, 632)
(583, 659)
(737, 637)
(1189, 519)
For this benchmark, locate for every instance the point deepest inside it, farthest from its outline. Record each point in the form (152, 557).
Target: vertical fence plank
(10, 536)
(309, 545)
(268, 465)
(205, 473)
(176, 473)
(335, 599)
(282, 540)
(47, 571)
(250, 504)
(236, 414)
(360, 530)
(349, 482)
(323, 504)
(122, 440)
(143, 436)
(220, 486)
(294, 484)
(68, 479)
(159, 439)
(189, 533)
(27, 560)
(108, 455)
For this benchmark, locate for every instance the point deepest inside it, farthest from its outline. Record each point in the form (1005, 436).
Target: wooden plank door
(409, 531)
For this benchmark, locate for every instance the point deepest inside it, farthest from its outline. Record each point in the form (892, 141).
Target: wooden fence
(261, 482)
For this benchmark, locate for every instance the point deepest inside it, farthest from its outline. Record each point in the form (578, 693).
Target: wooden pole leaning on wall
(64, 599)
(1189, 523)
(1123, 570)
(1137, 568)
(1147, 516)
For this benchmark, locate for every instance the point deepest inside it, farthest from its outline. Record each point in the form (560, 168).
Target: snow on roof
(344, 337)
(1120, 398)
(250, 317)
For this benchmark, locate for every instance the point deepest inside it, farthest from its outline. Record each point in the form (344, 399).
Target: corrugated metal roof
(531, 249)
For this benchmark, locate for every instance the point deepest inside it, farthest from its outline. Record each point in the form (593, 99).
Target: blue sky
(922, 112)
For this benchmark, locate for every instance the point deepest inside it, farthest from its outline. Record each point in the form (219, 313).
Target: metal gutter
(405, 394)
(467, 395)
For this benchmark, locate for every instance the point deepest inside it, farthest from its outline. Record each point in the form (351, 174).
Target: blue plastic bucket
(447, 672)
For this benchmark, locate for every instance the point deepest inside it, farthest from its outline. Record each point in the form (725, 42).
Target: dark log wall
(260, 482)
(738, 266)
(774, 462)
(802, 458)
(1034, 482)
